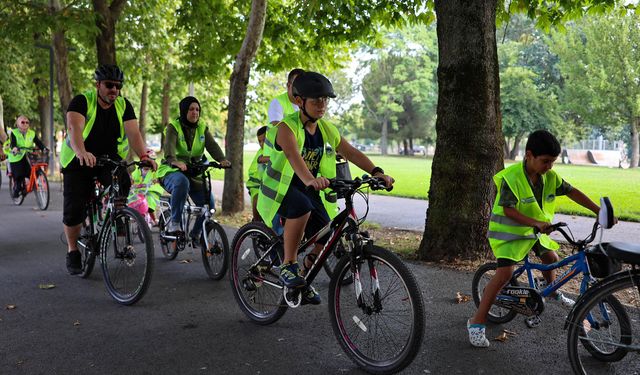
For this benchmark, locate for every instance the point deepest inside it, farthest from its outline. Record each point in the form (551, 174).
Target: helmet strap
(304, 111)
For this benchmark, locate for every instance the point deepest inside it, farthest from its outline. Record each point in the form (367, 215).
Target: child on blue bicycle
(525, 200)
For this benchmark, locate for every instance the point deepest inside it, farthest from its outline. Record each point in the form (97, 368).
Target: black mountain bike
(378, 319)
(214, 245)
(121, 238)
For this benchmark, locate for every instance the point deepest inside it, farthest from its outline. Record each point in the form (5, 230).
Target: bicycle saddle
(625, 252)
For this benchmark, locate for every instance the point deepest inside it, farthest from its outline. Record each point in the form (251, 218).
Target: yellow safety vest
(510, 239)
(25, 140)
(182, 151)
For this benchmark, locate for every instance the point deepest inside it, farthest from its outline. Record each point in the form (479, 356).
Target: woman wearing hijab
(186, 138)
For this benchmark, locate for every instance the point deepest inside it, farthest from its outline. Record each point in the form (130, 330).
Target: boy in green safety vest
(21, 137)
(99, 122)
(526, 198)
(302, 161)
(256, 169)
(284, 104)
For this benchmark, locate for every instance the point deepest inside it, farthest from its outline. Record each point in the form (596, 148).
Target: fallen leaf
(185, 261)
(462, 298)
(46, 286)
(11, 307)
(76, 323)
(281, 339)
(502, 337)
(509, 333)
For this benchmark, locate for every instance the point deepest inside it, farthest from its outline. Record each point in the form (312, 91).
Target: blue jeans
(179, 186)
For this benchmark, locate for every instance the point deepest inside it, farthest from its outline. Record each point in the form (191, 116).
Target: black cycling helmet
(312, 85)
(108, 72)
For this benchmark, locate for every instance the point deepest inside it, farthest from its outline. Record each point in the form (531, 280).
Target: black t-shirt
(103, 138)
(312, 151)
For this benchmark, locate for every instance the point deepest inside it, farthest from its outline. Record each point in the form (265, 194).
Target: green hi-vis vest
(256, 171)
(510, 239)
(182, 152)
(279, 172)
(6, 146)
(25, 140)
(67, 154)
(153, 190)
(287, 106)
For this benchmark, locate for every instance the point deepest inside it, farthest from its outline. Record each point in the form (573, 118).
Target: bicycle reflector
(605, 216)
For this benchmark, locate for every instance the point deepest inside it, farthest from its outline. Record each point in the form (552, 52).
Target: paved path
(410, 214)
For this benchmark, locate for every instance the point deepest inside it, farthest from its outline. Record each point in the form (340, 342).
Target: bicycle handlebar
(570, 239)
(375, 183)
(105, 160)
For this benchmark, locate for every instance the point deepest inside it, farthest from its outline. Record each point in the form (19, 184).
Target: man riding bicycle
(100, 123)
(185, 140)
(301, 162)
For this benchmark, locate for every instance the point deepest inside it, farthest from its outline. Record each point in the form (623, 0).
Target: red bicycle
(37, 179)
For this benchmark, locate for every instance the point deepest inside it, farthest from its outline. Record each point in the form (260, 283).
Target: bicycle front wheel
(127, 262)
(254, 274)
(481, 278)
(215, 256)
(169, 247)
(42, 190)
(604, 328)
(379, 319)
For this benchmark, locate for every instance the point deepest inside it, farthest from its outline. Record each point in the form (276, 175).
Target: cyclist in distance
(185, 140)
(526, 200)
(21, 137)
(3, 139)
(100, 122)
(301, 164)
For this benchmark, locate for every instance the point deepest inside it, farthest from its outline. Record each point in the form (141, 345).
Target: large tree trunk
(61, 64)
(166, 96)
(106, 18)
(45, 119)
(635, 144)
(469, 147)
(233, 195)
(384, 135)
(142, 118)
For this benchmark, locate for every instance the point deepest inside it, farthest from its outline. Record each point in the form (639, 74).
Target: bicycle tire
(88, 254)
(168, 248)
(216, 258)
(395, 340)
(258, 291)
(498, 315)
(16, 200)
(127, 262)
(602, 348)
(42, 190)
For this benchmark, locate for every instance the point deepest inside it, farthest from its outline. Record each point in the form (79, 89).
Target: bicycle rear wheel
(604, 328)
(127, 262)
(42, 190)
(169, 248)
(481, 278)
(215, 258)
(255, 284)
(16, 200)
(379, 320)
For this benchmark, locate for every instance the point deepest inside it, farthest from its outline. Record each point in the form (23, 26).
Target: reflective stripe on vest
(22, 140)
(66, 152)
(279, 172)
(182, 151)
(255, 175)
(508, 238)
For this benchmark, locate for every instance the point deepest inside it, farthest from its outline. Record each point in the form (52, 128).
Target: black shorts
(538, 249)
(297, 203)
(78, 188)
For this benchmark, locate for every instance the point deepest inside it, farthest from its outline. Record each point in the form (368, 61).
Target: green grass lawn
(413, 174)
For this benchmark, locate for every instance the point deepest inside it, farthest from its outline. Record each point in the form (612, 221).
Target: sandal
(311, 259)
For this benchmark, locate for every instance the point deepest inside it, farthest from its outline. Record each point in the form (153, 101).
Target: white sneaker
(477, 336)
(173, 227)
(564, 300)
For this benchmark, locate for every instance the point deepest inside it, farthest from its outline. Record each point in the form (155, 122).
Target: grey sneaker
(564, 300)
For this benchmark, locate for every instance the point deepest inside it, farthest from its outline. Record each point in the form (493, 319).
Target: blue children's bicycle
(528, 297)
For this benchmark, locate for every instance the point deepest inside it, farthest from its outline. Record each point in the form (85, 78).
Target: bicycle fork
(365, 244)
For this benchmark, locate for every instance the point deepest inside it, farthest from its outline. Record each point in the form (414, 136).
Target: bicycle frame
(579, 266)
(32, 176)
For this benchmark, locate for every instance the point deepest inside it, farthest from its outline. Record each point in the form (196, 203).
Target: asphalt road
(187, 324)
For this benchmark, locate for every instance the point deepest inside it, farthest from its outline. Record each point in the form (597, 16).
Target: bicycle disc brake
(293, 297)
(523, 300)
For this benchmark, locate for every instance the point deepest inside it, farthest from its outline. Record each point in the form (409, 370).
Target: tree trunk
(507, 150)
(106, 18)
(233, 195)
(166, 96)
(384, 133)
(635, 144)
(2, 116)
(516, 147)
(469, 146)
(61, 65)
(142, 118)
